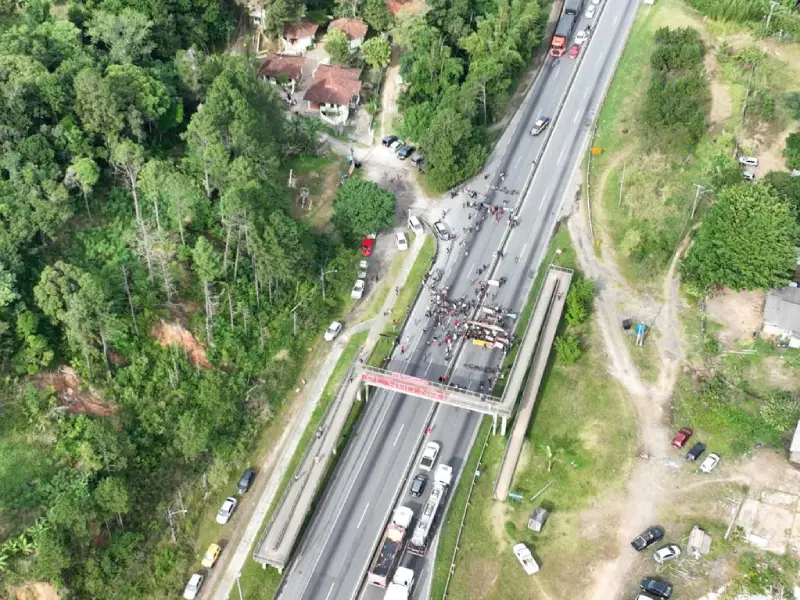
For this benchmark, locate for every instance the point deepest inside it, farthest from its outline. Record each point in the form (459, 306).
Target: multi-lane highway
(333, 556)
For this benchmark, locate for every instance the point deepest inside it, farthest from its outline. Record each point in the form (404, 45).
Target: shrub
(579, 301)
(792, 151)
(568, 349)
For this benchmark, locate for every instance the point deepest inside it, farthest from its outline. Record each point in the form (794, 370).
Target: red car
(574, 51)
(366, 246)
(680, 439)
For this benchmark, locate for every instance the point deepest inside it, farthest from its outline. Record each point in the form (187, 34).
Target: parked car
(397, 144)
(358, 289)
(595, 2)
(366, 246)
(211, 556)
(749, 175)
(581, 36)
(680, 439)
(574, 51)
(540, 125)
(418, 485)
(748, 161)
(666, 553)
(657, 587)
(404, 152)
(442, 230)
(333, 331)
(362, 269)
(416, 225)
(389, 140)
(525, 558)
(590, 11)
(429, 456)
(193, 587)
(648, 537)
(402, 242)
(226, 510)
(246, 480)
(710, 463)
(417, 160)
(696, 451)
(643, 597)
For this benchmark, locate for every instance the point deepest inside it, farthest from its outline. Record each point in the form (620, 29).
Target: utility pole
(322, 274)
(171, 513)
(773, 4)
(239, 584)
(700, 190)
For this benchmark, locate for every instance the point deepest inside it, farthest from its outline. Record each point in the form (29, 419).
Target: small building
(537, 520)
(286, 70)
(333, 92)
(782, 315)
(298, 38)
(699, 542)
(354, 29)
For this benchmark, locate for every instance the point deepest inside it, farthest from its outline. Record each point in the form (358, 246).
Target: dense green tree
(125, 35)
(84, 175)
(786, 186)
(377, 15)
(361, 208)
(792, 151)
(377, 52)
(337, 46)
(111, 496)
(724, 170)
(568, 349)
(746, 241)
(793, 104)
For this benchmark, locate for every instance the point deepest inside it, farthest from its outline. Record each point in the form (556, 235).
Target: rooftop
(303, 29)
(334, 85)
(782, 309)
(280, 64)
(352, 28)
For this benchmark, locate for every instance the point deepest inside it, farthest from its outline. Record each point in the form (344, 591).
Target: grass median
(580, 429)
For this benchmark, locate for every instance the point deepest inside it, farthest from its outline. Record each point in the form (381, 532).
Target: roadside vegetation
(579, 410)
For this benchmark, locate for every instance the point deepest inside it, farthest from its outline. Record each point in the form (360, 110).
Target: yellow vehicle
(212, 554)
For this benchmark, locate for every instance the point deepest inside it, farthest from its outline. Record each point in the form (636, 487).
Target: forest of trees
(140, 181)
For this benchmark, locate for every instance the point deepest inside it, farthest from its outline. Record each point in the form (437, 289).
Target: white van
(415, 225)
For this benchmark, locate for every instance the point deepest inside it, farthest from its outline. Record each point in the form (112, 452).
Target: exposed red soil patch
(175, 334)
(35, 591)
(72, 395)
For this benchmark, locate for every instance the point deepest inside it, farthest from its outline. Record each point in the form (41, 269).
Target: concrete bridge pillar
(503, 424)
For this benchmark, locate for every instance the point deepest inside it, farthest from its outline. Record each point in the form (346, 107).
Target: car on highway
(710, 463)
(680, 439)
(666, 553)
(442, 230)
(748, 161)
(696, 451)
(245, 481)
(358, 289)
(226, 510)
(590, 11)
(193, 587)
(581, 36)
(333, 331)
(416, 225)
(429, 456)
(648, 537)
(389, 140)
(418, 485)
(540, 125)
(402, 242)
(404, 152)
(574, 51)
(657, 587)
(211, 556)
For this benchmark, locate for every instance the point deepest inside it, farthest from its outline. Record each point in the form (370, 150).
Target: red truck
(391, 547)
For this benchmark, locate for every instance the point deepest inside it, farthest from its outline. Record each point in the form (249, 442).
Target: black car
(246, 481)
(417, 160)
(647, 538)
(658, 587)
(696, 451)
(389, 140)
(404, 152)
(418, 485)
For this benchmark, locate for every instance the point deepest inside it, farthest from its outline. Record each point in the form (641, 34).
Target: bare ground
(740, 314)
(721, 102)
(35, 591)
(72, 394)
(175, 334)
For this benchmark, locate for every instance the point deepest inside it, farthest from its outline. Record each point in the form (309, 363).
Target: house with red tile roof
(354, 29)
(334, 92)
(280, 68)
(299, 37)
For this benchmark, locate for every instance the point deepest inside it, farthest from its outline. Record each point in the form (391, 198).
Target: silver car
(226, 510)
(193, 587)
(748, 161)
(666, 553)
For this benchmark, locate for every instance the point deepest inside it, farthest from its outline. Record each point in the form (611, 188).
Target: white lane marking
(516, 164)
(330, 591)
(522, 252)
(543, 197)
(363, 514)
(561, 156)
(470, 270)
(616, 19)
(585, 93)
(577, 114)
(600, 58)
(398, 434)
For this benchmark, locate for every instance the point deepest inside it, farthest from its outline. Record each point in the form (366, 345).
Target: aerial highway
(370, 481)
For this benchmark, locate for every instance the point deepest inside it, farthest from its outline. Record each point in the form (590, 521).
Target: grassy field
(579, 409)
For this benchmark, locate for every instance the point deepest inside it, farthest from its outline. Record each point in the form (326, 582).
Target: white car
(358, 290)
(226, 510)
(429, 456)
(402, 242)
(590, 11)
(710, 463)
(442, 230)
(581, 37)
(666, 553)
(595, 2)
(415, 225)
(193, 587)
(397, 144)
(748, 161)
(333, 331)
(749, 175)
(362, 269)
(525, 558)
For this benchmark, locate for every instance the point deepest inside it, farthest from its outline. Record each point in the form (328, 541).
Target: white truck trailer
(432, 510)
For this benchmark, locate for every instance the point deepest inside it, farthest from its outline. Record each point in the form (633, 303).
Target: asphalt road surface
(333, 557)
